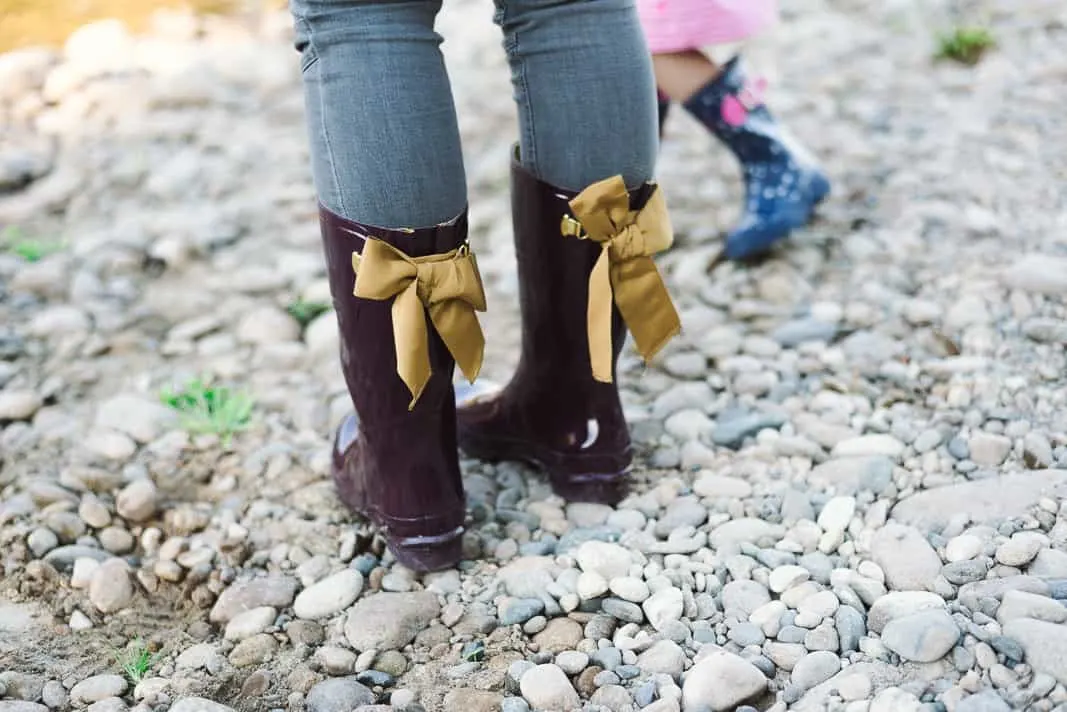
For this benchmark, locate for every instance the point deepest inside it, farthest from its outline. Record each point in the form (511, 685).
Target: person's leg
(389, 174)
(584, 89)
(680, 75)
(587, 112)
(783, 182)
(385, 144)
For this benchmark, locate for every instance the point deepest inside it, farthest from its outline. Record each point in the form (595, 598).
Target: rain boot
(585, 274)
(405, 302)
(783, 182)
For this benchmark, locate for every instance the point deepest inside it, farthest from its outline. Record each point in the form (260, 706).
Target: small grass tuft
(13, 240)
(306, 312)
(210, 409)
(136, 661)
(965, 45)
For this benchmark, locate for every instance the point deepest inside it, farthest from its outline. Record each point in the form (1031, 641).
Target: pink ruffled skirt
(678, 25)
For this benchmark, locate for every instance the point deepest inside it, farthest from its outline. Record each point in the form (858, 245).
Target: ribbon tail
(645, 305)
(458, 326)
(411, 342)
(598, 318)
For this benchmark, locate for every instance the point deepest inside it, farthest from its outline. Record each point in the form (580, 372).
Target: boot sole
(757, 247)
(421, 552)
(576, 478)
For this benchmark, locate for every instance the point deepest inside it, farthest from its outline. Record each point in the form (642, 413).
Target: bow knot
(447, 286)
(624, 273)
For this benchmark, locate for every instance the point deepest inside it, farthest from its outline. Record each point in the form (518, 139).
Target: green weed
(965, 45)
(12, 239)
(305, 312)
(136, 661)
(210, 409)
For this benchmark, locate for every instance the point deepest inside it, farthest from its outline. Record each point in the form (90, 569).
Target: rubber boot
(394, 459)
(783, 182)
(557, 412)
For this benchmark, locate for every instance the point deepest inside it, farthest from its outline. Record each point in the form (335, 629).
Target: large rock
(331, 595)
(339, 694)
(1045, 645)
(921, 637)
(389, 621)
(1044, 274)
(987, 500)
(720, 682)
(546, 687)
(274, 591)
(906, 557)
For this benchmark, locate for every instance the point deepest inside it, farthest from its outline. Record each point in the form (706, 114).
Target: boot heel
(428, 553)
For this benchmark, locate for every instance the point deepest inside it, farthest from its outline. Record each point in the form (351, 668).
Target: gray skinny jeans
(382, 121)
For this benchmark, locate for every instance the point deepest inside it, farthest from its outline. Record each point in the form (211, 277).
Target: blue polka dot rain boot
(783, 182)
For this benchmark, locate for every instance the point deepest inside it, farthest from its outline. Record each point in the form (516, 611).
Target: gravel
(851, 462)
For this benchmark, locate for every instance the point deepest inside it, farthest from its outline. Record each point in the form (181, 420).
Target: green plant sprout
(210, 409)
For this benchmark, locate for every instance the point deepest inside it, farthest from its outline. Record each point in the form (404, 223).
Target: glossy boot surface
(783, 182)
(552, 413)
(396, 467)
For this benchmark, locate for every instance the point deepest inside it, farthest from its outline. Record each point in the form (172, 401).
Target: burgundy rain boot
(395, 459)
(554, 413)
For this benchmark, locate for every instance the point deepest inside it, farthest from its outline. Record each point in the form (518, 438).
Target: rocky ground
(852, 465)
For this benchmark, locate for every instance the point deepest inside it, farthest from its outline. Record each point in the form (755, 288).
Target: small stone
(837, 514)
(137, 501)
(79, 621)
(111, 589)
(899, 604)
(1021, 548)
(608, 560)
(1019, 604)
(97, 688)
(514, 611)
(784, 578)
(389, 621)
(336, 661)
(962, 548)
(664, 606)
(572, 662)
(591, 585)
(630, 589)
(546, 687)
(814, 669)
(906, 557)
(559, 635)
(329, 596)
(664, 657)
(721, 681)
(465, 699)
(275, 591)
(869, 445)
(989, 449)
(19, 405)
(54, 695)
(249, 623)
(851, 628)
(253, 651)
(339, 694)
(41, 541)
(987, 701)
(921, 637)
(198, 704)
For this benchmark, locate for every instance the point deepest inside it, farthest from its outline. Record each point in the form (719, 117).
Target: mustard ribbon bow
(624, 271)
(448, 286)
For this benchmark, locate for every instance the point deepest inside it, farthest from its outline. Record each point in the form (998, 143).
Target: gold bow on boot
(448, 286)
(624, 272)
